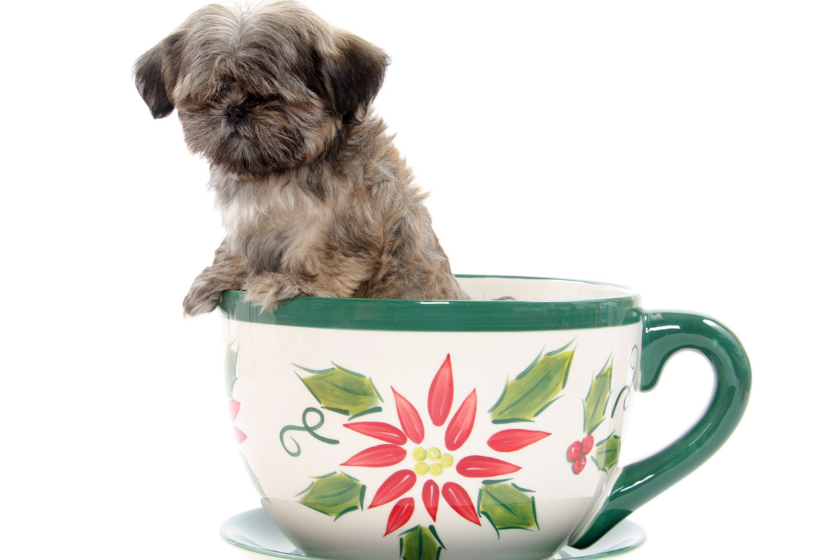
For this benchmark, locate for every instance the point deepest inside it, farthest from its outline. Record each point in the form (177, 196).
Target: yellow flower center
(441, 462)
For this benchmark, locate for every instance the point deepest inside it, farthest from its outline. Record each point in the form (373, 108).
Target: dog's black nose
(235, 114)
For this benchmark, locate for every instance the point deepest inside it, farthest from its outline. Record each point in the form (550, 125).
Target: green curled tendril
(305, 428)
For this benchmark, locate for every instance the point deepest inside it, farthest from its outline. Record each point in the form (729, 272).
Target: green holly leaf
(595, 403)
(254, 479)
(340, 390)
(606, 452)
(334, 494)
(507, 506)
(533, 390)
(230, 369)
(420, 543)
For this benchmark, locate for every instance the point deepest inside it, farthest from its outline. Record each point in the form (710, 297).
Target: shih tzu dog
(315, 198)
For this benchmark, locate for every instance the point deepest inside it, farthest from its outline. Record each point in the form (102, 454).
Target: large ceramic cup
(387, 429)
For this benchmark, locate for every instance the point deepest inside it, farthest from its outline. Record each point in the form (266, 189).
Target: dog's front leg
(227, 273)
(341, 277)
(270, 288)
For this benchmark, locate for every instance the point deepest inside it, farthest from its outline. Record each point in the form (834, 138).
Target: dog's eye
(252, 99)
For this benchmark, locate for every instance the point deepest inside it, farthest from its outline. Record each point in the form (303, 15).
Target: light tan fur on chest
(274, 215)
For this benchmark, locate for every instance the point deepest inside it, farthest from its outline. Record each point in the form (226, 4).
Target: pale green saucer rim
(443, 315)
(288, 556)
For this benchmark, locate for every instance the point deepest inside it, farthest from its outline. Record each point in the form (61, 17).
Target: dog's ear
(353, 74)
(155, 74)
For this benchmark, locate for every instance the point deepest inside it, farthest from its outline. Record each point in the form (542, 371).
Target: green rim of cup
(441, 316)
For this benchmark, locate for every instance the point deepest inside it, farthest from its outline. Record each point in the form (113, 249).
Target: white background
(689, 150)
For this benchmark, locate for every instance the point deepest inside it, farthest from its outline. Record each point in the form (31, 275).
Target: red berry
(579, 464)
(574, 452)
(588, 444)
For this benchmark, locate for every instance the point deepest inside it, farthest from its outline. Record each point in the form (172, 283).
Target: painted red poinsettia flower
(458, 431)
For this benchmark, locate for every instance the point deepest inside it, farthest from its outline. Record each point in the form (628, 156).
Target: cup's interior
(537, 289)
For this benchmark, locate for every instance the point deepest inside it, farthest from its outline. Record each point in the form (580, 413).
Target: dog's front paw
(202, 298)
(269, 289)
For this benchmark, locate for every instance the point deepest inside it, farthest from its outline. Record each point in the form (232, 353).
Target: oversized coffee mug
(455, 430)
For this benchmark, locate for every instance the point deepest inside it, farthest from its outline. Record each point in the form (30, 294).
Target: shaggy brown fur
(315, 198)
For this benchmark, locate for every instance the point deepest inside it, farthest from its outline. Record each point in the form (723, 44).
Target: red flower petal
(378, 456)
(394, 486)
(440, 394)
(460, 501)
(476, 466)
(400, 514)
(233, 408)
(410, 421)
(461, 426)
(431, 494)
(514, 440)
(379, 430)
(240, 437)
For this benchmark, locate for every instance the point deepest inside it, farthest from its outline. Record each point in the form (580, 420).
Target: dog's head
(260, 90)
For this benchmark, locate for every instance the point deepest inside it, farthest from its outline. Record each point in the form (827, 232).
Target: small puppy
(315, 198)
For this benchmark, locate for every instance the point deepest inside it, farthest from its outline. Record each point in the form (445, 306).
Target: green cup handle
(663, 335)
